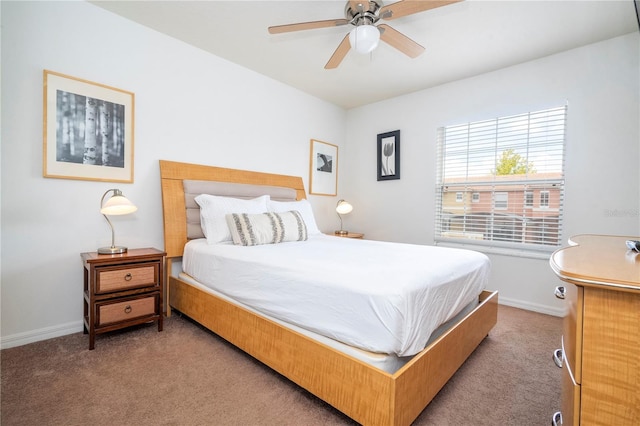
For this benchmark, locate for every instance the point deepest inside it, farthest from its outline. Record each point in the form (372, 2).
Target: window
(528, 199)
(544, 199)
(501, 201)
(504, 164)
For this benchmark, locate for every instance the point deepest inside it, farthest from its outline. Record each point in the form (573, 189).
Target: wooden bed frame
(365, 393)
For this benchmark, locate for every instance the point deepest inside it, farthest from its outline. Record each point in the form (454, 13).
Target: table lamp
(343, 207)
(116, 205)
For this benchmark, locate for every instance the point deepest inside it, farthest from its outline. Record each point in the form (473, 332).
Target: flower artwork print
(388, 151)
(389, 155)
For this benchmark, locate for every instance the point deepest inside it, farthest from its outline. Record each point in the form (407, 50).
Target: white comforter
(378, 296)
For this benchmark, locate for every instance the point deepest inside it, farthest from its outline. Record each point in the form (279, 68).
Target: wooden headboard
(172, 175)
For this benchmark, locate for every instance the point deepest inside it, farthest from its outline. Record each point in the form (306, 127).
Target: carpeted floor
(185, 375)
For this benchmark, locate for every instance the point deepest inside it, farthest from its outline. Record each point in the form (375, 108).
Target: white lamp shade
(343, 207)
(118, 204)
(364, 38)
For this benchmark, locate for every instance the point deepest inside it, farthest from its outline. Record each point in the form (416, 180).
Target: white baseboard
(77, 326)
(46, 333)
(543, 309)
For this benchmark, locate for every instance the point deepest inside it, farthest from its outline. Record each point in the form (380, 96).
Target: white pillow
(303, 206)
(266, 228)
(214, 208)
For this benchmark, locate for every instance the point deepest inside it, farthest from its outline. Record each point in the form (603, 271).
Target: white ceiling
(461, 40)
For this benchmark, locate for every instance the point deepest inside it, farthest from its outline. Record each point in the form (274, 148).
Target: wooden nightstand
(349, 235)
(121, 290)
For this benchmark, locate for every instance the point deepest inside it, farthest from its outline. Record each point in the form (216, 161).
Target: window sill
(502, 251)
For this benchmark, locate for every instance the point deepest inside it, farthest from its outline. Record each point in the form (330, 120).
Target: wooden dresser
(600, 353)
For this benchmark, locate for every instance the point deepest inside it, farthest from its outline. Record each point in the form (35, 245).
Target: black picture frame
(389, 155)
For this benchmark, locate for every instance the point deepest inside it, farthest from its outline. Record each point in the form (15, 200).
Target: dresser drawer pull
(127, 309)
(128, 277)
(557, 357)
(556, 420)
(559, 292)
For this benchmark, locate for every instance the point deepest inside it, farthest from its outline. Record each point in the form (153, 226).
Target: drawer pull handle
(556, 420)
(557, 357)
(559, 292)
(127, 309)
(128, 277)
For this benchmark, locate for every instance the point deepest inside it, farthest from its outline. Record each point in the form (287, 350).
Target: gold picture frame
(323, 168)
(88, 130)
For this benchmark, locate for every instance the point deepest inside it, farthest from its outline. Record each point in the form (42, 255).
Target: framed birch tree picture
(88, 130)
(323, 168)
(389, 155)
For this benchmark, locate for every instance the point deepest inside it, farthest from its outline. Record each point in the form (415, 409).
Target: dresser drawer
(572, 330)
(123, 278)
(570, 396)
(126, 310)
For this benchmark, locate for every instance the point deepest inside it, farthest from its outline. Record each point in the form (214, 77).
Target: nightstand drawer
(126, 310)
(115, 279)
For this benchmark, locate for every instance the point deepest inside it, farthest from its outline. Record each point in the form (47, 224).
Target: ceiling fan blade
(400, 41)
(339, 54)
(409, 7)
(277, 29)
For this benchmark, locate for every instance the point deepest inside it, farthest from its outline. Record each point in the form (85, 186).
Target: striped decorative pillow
(266, 228)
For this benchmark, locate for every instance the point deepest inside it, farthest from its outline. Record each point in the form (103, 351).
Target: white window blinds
(501, 182)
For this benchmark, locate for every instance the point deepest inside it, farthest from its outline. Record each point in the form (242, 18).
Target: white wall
(189, 106)
(600, 82)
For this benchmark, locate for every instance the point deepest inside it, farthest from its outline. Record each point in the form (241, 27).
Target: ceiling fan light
(364, 38)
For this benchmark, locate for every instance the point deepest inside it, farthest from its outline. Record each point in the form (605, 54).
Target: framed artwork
(323, 168)
(88, 130)
(389, 155)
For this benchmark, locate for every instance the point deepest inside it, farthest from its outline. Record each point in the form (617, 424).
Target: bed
(367, 393)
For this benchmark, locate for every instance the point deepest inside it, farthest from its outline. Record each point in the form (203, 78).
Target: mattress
(386, 362)
(376, 296)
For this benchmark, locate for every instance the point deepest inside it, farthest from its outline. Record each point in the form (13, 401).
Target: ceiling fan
(365, 16)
